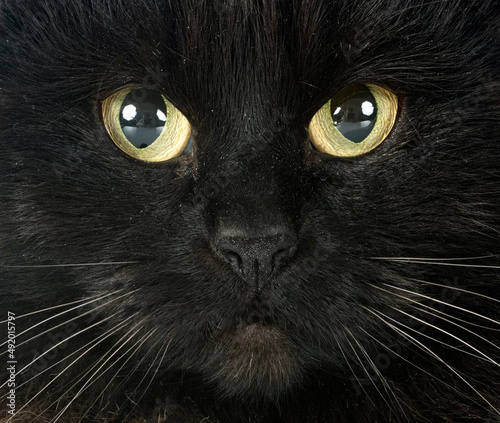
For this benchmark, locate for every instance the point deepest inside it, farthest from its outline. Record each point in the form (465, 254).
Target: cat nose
(256, 258)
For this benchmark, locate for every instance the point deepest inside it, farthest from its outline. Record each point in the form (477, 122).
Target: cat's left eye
(145, 125)
(355, 121)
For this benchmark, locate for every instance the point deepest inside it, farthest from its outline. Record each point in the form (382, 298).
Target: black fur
(327, 338)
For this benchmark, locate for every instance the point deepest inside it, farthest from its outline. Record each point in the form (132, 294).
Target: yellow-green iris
(354, 121)
(145, 125)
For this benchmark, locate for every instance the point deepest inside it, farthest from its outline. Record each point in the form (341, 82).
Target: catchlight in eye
(354, 121)
(145, 125)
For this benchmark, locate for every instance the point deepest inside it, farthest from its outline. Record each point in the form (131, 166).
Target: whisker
(444, 303)
(370, 378)
(410, 300)
(63, 341)
(440, 314)
(59, 306)
(436, 258)
(110, 333)
(447, 333)
(400, 357)
(150, 366)
(66, 321)
(406, 8)
(420, 345)
(135, 368)
(83, 302)
(466, 291)
(137, 346)
(66, 357)
(360, 384)
(47, 266)
(128, 336)
(165, 349)
(438, 263)
(385, 384)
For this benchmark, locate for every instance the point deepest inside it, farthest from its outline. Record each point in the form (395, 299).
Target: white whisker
(165, 349)
(449, 334)
(444, 303)
(435, 262)
(127, 336)
(60, 306)
(360, 384)
(443, 259)
(111, 332)
(410, 300)
(466, 291)
(381, 377)
(137, 346)
(64, 341)
(67, 356)
(439, 315)
(150, 366)
(136, 367)
(362, 365)
(47, 266)
(66, 321)
(400, 357)
(420, 345)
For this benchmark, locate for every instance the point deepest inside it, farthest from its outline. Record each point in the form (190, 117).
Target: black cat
(250, 211)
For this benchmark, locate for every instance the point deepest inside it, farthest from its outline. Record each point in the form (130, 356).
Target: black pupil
(142, 117)
(354, 112)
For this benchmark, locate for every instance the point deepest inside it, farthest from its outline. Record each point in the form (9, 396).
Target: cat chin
(255, 362)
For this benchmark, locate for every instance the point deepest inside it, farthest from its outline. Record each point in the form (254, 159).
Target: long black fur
(339, 334)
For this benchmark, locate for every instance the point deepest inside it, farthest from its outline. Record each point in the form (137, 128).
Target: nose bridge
(248, 169)
(253, 201)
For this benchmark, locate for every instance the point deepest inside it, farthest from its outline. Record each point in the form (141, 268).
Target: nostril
(280, 257)
(233, 258)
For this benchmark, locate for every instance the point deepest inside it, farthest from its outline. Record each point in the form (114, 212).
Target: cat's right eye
(145, 125)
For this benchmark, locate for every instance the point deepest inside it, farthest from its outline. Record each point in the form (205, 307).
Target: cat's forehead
(257, 49)
(227, 56)
(298, 46)
(295, 52)
(303, 38)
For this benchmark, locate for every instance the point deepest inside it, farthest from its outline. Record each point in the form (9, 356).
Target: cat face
(252, 206)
